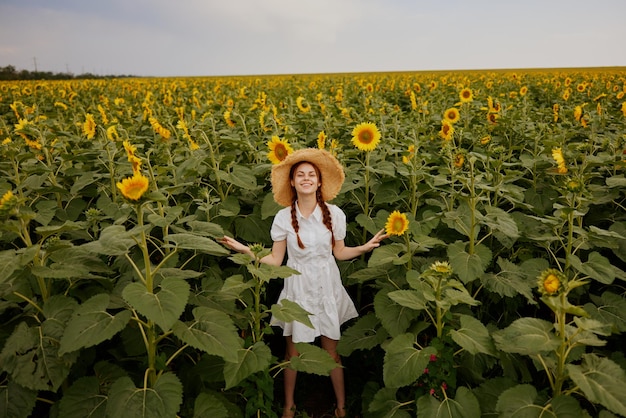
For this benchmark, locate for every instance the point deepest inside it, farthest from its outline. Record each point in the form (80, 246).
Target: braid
(328, 221)
(294, 221)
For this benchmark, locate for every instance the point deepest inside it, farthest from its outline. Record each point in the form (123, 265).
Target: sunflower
(441, 267)
(523, 91)
(130, 149)
(112, 133)
(133, 187)
(365, 136)
(550, 281)
(578, 113)
(228, 120)
(321, 140)
(623, 108)
(89, 126)
(555, 112)
(7, 203)
(304, 107)
(452, 115)
(446, 131)
(279, 149)
(459, 159)
(557, 154)
(466, 95)
(492, 117)
(397, 223)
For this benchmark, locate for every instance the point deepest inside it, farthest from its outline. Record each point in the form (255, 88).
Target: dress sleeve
(278, 232)
(339, 222)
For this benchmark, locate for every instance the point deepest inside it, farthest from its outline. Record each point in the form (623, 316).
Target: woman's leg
(336, 375)
(290, 380)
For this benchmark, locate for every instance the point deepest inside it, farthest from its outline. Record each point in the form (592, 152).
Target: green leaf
(266, 272)
(403, 363)
(212, 331)
(467, 266)
(503, 224)
(269, 207)
(197, 243)
(609, 309)
(251, 360)
(16, 401)
(409, 298)
(464, 405)
(527, 336)
(114, 240)
(387, 254)
(597, 267)
(234, 286)
(163, 307)
(215, 405)
(8, 264)
(31, 354)
(206, 229)
(394, 317)
(385, 405)
(473, 336)
(519, 402)
(288, 311)
(368, 273)
(366, 333)
(161, 401)
(602, 381)
(510, 281)
(91, 324)
(83, 399)
(312, 359)
(242, 177)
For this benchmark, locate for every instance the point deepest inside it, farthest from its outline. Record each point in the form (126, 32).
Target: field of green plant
(505, 295)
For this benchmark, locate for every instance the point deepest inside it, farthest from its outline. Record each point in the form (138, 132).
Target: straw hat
(330, 168)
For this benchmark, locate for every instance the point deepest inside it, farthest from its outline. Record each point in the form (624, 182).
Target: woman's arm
(342, 252)
(274, 258)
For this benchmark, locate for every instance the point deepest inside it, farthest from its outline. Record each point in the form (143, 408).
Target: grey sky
(240, 37)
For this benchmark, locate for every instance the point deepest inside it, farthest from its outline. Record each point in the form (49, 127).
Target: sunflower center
(366, 137)
(281, 152)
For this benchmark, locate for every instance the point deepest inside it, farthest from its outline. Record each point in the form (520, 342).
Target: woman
(311, 231)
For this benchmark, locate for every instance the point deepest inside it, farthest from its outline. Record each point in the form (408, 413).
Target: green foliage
(504, 297)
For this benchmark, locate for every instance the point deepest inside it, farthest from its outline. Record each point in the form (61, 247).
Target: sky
(167, 38)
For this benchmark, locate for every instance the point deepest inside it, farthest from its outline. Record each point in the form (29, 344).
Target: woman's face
(305, 179)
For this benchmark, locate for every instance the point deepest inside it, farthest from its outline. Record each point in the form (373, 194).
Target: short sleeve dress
(318, 288)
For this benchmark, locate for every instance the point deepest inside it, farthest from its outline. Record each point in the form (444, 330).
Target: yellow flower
(441, 267)
(193, 145)
(112, 134)
(397, 223)
(523, 91)
(89, 126)
(555, 112)
(485, 140)
(624, 109)
(136, 163)
(557, 154)
(130, 149)
(446, 131)
(550, 281)
(578, 113)
(279, 149)
(304, 107)
(133, 187)
(459, 159)
(158, 128)
(321, 140)
(466, 95)
(492, 117)
(8, 196)
(452, 115)
(365, 136)
(228, 120)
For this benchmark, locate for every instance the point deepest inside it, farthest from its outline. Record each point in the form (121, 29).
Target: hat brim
(330, 169)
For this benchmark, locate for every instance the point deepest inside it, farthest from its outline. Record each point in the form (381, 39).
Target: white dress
(318, 288)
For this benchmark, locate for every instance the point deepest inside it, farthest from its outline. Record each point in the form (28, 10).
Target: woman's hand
(375, 241)
(234, 245)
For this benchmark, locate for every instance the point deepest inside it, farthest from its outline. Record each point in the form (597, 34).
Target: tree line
(9, 72)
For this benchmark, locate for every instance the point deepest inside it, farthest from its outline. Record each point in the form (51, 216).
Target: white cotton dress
(318, 288)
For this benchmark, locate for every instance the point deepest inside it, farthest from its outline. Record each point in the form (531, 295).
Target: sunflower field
(500, 292)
